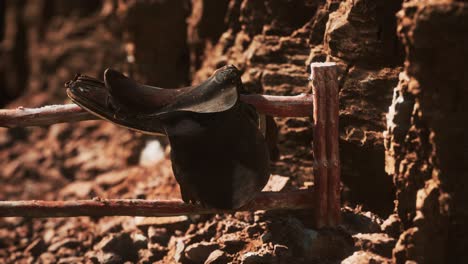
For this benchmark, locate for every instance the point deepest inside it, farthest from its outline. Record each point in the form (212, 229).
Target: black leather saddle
(219, 156)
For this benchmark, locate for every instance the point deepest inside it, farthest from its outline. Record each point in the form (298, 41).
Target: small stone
(253, 229)
(392, 226)
(48, 235)
(276, 183)
(158, 251)
(158, 235)
(308, 184)
(78, 190)
(360, 222)
(218, 257)
(139, 240)
(65, 243)
(365, 257)
(109, 258)
(169, 222)
(179, 250)
(23, 259)
(70, 260)
(109, 225)
(146, 256)
(107, 180)
(64, 252)
(46, 258)
(199, 252)
(91, 256)
(247, 217)
(233, 226)
(378, 243)
(232, 242)
(118, 243)
(36, 247)
(258, 215)
(256, 257)
(280, 250)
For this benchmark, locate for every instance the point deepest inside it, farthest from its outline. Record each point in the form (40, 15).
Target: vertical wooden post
(333, 152)
(319, 143)
(325, 144)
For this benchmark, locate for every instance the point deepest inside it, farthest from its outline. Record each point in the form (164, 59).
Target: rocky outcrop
(360, 38)
(426, 130)
(274, 41)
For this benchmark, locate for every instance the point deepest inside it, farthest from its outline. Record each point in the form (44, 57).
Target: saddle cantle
(219, 156)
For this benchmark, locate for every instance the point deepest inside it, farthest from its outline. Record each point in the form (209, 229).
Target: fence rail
(324, 198)
(138, 207)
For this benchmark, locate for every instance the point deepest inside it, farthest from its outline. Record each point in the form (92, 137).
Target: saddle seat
(127, 103)
(216, 94)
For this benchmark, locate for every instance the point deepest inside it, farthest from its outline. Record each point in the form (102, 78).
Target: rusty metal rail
(322, 106)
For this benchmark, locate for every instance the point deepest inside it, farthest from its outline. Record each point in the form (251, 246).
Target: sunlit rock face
(425, 138)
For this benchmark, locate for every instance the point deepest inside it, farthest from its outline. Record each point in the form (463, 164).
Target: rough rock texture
(360, 36)
(274, 41)
(378, 243)
(365, 257)
(426, 146)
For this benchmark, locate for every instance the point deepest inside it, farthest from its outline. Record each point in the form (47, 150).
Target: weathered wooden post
(325, 144)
